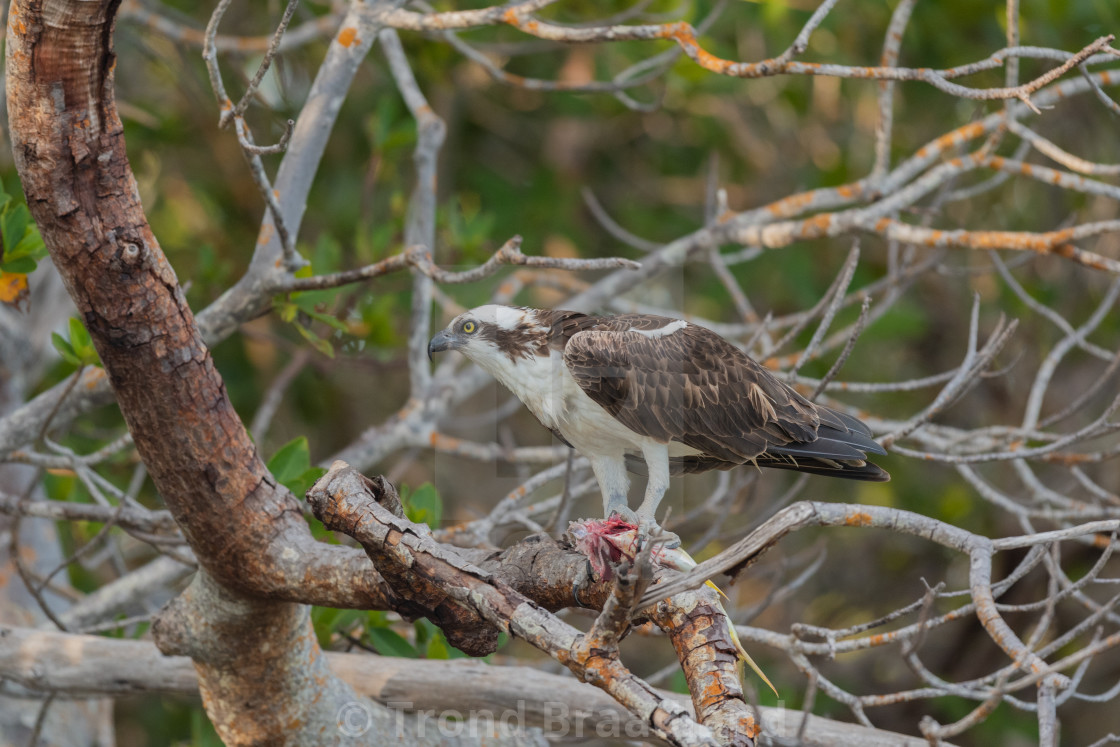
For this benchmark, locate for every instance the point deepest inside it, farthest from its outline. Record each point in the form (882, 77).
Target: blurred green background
(515, 162)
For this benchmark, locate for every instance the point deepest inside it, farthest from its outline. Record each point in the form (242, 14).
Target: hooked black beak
(441, 342)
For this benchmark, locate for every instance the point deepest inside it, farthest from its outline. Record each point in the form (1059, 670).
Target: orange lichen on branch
(701, 633)
(347, 36)
(443, 442)
(1102, 541)
(1055, 242)
(596, 668)
(1068, 459)
(858, 519)
(816, 226)
(949, 140)
(790, 206)
(685, 36)
(92, 377)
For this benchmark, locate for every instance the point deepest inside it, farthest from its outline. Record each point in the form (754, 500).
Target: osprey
(634, 388)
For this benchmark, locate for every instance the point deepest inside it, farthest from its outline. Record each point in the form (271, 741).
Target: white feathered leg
(614, 484)
(657, 464)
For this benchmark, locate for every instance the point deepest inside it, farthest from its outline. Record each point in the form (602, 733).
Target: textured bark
(472, 598)
(248, 533)
(69, 148)
(260, 669)
(86, 664)
(700, 632)
(537, 568)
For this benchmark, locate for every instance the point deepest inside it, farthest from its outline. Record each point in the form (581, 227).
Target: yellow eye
(469, 327)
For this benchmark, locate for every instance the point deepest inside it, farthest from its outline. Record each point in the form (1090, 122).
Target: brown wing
(695, 387)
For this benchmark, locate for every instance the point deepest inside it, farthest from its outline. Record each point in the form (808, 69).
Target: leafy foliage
(515, 163)
(422, 505)
(21, 248)
(78, 350)
(291, 466)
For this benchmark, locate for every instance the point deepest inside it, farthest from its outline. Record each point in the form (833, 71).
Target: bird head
(493, 336)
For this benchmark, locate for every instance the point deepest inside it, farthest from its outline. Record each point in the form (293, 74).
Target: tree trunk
(249, 646)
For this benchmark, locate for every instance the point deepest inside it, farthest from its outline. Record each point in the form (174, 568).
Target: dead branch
(471, 602)
(75, 665)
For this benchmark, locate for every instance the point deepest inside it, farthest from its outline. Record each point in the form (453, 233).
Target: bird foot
(647, 527)
(653, 530)
(627, 514)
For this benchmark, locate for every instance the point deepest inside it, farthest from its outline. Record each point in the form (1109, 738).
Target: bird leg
(656, 456)
(614, 484)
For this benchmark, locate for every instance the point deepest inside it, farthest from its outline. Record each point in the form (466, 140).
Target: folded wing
(692, 386)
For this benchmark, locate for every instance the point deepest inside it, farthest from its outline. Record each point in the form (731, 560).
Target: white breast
(550, 392)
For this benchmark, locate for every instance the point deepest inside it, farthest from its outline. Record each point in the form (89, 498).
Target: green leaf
(82, 344)
(31, 246)
(21, 236)
(14, 223)
(390, 643)
(286, 310)
(291, 466)
(424, 506)
(439, 648)
(78, 350)
(323, 621)
(328, 319)
(321, 533)
(327, 621)
(424, 630)
(291, 460)
(20, 265)
(60, 486)
(323, 346)
(303, 483)
(62, 345)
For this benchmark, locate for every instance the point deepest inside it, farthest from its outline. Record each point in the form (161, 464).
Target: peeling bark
(248, 533)
(699, 630)
(261, 672)
(70, 152)
(515, 590)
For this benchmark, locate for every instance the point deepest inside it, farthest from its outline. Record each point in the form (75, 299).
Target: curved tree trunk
(259, 664)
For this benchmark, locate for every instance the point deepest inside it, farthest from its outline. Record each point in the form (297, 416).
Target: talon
(627, 514)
